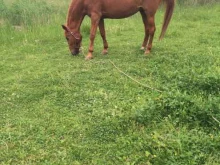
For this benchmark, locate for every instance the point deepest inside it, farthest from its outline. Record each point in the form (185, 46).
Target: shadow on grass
(207, 86)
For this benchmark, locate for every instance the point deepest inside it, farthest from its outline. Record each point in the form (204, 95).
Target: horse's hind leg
(102, 32)
(152, 29)
(149, 24)
(146, 37)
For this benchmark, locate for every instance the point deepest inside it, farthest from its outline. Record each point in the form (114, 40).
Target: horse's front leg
(94, 24)
(102, 32)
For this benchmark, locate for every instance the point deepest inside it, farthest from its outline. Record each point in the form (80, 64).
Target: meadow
(56, 108)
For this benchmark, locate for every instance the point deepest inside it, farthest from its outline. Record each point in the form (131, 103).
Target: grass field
(60, 109)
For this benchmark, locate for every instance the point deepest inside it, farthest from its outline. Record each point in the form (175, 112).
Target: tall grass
(35, 12)
(29, 12)
(196, 2)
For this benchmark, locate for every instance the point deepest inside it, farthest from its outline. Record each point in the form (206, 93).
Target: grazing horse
(98, 10)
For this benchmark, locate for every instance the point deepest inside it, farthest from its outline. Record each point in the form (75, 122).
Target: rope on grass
(144, 85)
(216, 120)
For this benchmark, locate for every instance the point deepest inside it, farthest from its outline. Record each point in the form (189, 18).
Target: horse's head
(73, 39)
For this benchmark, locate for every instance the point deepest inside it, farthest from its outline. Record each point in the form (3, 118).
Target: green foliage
(196, 2)
(59, 109)
(28, 12)
(181, 108)
(3, 9)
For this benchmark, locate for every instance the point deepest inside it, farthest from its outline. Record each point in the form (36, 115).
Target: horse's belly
(119, 9)
(118, 15)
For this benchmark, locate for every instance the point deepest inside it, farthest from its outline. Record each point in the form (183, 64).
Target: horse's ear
(65, 28)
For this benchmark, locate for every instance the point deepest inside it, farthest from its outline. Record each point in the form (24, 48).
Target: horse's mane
(72, 7)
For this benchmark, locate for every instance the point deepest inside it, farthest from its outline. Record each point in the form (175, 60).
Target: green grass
(60, 109)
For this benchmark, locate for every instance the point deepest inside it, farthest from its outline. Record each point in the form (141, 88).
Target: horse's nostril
(75, 52)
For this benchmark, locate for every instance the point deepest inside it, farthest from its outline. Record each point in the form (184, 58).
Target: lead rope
(144, 85)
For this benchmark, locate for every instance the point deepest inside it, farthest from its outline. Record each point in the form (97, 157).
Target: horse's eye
(67, 38)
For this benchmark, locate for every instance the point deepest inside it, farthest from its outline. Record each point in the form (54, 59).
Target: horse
(98, 10)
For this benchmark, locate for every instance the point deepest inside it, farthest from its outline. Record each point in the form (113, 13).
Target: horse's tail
(167, 17)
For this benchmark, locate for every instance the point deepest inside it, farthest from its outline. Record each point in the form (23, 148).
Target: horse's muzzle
(75, 52)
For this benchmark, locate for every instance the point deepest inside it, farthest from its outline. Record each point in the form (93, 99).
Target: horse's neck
(75, 16)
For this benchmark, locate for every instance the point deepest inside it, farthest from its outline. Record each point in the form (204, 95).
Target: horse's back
(112, 8)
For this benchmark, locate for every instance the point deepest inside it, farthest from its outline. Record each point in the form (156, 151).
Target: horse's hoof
(88, 58)
(147, 52)
(104, 52)
(142, 48)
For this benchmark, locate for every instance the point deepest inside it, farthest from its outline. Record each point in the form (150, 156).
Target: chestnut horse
(98, 10)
